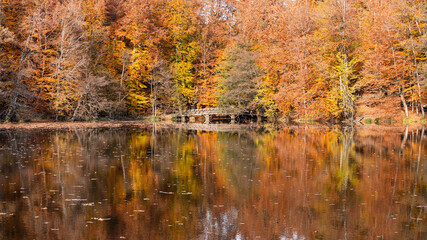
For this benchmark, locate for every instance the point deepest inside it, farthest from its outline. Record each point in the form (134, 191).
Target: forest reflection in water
(294, 183)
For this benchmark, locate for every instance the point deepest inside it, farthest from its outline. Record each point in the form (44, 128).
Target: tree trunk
(348, 105)
(12, 109)
(417, 77)
(401, 86)
(405, 106)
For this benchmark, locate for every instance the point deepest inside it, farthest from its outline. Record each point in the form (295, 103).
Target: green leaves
(240, 77)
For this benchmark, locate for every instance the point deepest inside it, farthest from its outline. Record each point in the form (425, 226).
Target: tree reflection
(298, 182)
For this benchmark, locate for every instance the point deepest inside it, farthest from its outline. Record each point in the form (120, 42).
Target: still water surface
(293, 183)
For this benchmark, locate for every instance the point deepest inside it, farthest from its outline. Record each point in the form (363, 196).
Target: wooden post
(207, 119)
(233, 119)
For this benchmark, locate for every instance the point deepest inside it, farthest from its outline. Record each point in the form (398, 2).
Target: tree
(339, 28)
(17, 92)
(183, 34)
(240, 78)
(143, 34)
(215, 19)
(386, 68)
(70, 58)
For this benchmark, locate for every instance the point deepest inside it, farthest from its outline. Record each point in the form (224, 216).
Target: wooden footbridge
(209, 114)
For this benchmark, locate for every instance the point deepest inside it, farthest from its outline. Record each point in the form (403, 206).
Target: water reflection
(295, 183)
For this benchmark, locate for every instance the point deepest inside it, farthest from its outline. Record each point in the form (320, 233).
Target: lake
(300, 182)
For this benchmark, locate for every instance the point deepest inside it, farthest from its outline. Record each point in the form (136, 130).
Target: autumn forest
(293, 59)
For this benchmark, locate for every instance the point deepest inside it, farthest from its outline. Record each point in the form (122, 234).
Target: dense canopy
(305, 59)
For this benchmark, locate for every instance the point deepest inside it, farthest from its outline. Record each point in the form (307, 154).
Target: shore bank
(72, 125)
(167, 122)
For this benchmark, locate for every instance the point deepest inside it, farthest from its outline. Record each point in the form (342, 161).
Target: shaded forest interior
(303, 59)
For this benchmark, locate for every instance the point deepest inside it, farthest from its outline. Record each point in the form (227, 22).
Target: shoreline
(49, 125)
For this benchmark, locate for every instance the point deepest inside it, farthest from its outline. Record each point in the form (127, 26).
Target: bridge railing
(213, 111)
